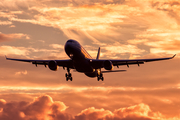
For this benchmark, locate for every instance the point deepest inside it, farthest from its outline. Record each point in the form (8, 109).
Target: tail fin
(98, 54)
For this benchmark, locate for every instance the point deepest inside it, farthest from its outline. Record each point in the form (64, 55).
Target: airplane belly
(93, 74)
(83, 67)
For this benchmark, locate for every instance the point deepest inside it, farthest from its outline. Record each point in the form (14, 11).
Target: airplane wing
(96, 63)
(64, 63)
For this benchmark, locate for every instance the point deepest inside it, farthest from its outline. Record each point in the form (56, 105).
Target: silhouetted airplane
(81, 61)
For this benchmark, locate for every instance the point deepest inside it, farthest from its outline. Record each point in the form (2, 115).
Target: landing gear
(100, 77)
(68, 75)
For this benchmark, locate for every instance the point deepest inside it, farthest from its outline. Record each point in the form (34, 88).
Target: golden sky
(124, 29)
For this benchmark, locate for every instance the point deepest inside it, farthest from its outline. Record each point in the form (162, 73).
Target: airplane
(82, 62)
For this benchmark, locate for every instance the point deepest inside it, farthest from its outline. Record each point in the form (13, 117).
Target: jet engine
(53, 65)
(108, 65)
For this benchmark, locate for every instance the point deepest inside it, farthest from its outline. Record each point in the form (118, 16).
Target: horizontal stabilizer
(113, 71)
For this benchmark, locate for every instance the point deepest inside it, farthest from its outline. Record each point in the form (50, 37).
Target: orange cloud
(94, 114)
(13, 4)
(103, 19)
(9, 37)
(120, 49)
(9, 50)
(5, 22)
(144, 22)
(12, 50)
(140, 110)
(57, 46)
(44, 108)
(21, 73)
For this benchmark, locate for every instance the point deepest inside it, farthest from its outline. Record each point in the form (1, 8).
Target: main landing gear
(68, 75)
(100, 77)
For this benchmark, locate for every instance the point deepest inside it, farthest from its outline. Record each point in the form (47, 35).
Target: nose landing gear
(68, 75)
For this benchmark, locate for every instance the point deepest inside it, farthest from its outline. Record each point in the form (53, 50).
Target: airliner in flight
(81, 61)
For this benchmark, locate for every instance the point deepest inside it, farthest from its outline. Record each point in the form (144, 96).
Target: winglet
(174, 56)
(98, 55)
(5, 56)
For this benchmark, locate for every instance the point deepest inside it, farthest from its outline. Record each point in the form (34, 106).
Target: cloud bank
(44, 108)
(153, 24)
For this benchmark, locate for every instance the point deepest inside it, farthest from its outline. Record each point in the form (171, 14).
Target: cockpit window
(72, 41)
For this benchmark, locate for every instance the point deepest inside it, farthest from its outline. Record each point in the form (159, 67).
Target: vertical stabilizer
(98, 54)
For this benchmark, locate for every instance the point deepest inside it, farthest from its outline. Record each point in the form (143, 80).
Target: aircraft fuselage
(80, 57)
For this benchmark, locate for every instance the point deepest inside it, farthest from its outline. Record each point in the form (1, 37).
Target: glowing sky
(124, 29)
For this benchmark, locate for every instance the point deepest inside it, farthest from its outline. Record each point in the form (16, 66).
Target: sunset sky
(124, 29)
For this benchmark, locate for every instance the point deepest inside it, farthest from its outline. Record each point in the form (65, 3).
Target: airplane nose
(68, 47)
(72, 46)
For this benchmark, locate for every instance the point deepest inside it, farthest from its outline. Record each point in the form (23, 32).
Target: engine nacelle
(108, 65)
(53, 65)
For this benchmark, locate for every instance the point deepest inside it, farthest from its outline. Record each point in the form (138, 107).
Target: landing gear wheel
(68, 75)
(102, 78)
(101, 75)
